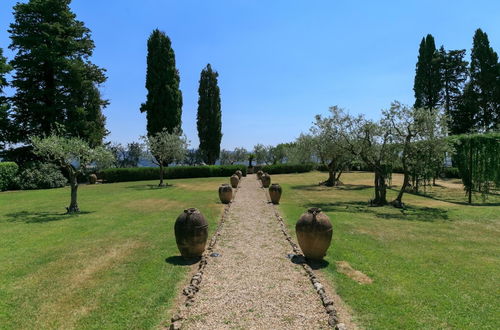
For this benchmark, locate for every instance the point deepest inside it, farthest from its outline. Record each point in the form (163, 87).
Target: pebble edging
(194, 285)
(330, 309)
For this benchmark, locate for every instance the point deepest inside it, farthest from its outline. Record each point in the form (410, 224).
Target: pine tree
(163, 105)
(427, 83)
(56, 84)
(485, 82)
(4, 105)
(454, 73)
(209, 115)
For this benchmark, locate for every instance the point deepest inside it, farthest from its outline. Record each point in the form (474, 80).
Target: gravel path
(253, 285)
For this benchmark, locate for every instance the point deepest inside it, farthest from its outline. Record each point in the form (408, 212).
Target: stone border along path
(253, 285)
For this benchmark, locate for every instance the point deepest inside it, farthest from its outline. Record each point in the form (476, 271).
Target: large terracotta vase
(314, 233)
(275, 193)
(239, 174)
(191, 233)
(259, 174)
(225, 193)
(92, 179)
(234, 181)
(266, 180)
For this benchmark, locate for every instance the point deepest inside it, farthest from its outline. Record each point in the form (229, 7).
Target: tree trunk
(333, 179)
(73, 206)
(380, 190)
(161, 184)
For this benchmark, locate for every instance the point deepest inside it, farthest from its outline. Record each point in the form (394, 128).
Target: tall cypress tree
(163, 104)
(427, 85)
(209, 120)
(56, 84)
(454, 73)
(4, 105)
(485, 82)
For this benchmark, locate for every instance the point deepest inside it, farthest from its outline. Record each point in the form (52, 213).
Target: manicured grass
(103, 268)
(434, 265)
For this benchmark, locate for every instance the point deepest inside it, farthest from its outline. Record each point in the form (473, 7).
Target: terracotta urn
(234, 181)
(191, 233)
(239, 174)
(275, 193)
(225, 193)
(266, 180)
(92, 179)
(259, 174)
(314, 233)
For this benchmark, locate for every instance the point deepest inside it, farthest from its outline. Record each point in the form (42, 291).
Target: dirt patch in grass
(345, 268)
(66, 306)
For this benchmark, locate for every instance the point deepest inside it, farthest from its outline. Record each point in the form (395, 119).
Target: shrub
(287, 168)
(40, 176)
(174, 172)
(8, 171)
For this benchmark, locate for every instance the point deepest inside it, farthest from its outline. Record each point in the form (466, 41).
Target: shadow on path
(181, 261)
(314, 264)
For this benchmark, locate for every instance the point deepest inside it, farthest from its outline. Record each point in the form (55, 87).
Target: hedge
(287, 168)
(174, 172)
(8, 171)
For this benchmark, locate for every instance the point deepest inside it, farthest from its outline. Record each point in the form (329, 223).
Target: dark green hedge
(174, 172)
(287, 168)
(8, 172)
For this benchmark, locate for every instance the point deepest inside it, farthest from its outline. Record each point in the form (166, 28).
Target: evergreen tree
(56, 84)
(209, 115)
(4, 105)
(163, 104)
(427, 85)
(464, 119)
(485, 82)
(454, 73)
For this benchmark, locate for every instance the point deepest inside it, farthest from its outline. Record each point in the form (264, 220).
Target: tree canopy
(163, 106)
(209, 117)
(56, 83)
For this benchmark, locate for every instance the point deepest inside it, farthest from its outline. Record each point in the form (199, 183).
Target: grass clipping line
(194, 285)
(333, 319)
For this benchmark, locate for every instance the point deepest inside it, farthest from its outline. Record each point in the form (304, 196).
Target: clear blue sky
(280, 62)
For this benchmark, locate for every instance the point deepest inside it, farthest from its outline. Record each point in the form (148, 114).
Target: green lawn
(435, 265)
(103, 268)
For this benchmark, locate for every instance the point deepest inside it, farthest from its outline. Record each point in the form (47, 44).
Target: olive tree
(300, 151)
(262, 155)
(371, 142)
(72, 154)
(167, 148)
(230, 157)
(328, 144)
(418, 136)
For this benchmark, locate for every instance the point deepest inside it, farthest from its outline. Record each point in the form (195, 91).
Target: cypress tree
(163, 104)
(485, 82)
(454, 73)
(209, 115)
(56, 84)
(427, 85)
(4, 105)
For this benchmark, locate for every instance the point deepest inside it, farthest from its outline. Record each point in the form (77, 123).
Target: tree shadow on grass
(409, 213)
(181, 261)
(317, 187)
(454, 201)
(149, 187)
(41, 217)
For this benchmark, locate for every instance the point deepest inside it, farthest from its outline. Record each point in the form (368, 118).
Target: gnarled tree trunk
(161, 184)
(73, 206)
